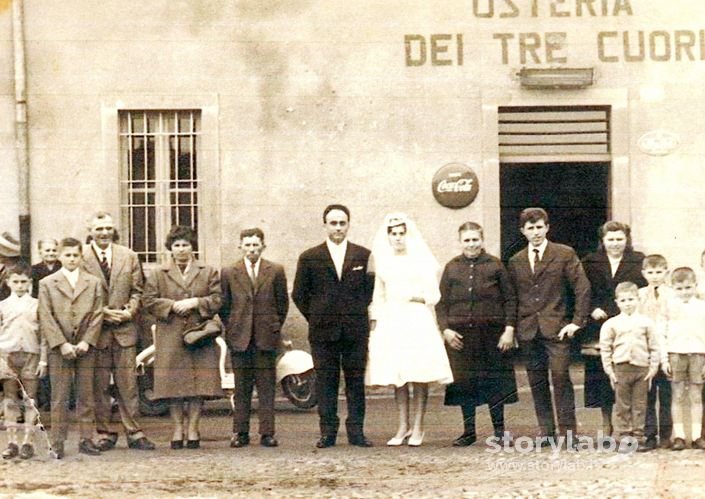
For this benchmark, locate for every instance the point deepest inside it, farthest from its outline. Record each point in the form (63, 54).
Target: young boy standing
(70, 318)
(630, 358)
(25, 355)
(683, 360)
(652, 302)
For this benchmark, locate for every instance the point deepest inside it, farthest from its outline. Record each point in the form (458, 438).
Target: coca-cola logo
(455, 185)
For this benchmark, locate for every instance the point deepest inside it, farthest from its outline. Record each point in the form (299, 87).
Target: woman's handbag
(201, 334)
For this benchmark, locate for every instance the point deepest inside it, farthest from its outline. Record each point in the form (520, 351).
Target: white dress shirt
(248, 266)
(71, 276)
(337, 253)
(541, 248)
(107, 251)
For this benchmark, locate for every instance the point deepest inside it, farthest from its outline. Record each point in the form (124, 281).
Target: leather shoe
(268, 441)
(464, 440)
(142, 443)
(193, 444)
(648, 445)
(545, 440)
(26, 451)
(105, 444)
(177, 444)
(678, 444)
(240, 440)
(699, 443)
(360, 441)
(325, 441)
(11, 452)
(87, 447)
(57, 451)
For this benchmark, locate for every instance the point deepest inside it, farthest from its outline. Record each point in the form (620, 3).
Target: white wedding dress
(406, 345)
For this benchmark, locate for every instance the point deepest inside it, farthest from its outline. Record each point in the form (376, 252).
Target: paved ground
(297, 469)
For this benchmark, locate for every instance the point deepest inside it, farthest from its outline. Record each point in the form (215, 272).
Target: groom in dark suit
(333, 289)
(548, 277)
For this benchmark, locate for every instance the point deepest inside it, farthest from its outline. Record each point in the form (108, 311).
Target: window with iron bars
(158, 177)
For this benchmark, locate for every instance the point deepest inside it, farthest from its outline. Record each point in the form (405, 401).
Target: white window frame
(209, 226)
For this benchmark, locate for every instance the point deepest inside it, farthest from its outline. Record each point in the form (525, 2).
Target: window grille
(158, 177)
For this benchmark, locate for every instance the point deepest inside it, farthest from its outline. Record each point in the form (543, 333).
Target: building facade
(227, 115)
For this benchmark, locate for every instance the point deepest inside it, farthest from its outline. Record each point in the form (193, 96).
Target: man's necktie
(536, 259)
(104, 265)
(656, 292)
(253, 272)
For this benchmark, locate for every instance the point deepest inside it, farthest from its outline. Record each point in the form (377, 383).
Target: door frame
(619, 186)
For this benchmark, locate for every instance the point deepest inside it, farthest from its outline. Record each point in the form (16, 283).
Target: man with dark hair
(333, 289)
(548, 277)
(255, 304)
(120, 272)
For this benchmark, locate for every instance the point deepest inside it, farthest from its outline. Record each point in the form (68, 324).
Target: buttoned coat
(180, 371)
(257, 309)
(69, 314)
(124, 291)
(556, 294)
(334, 308)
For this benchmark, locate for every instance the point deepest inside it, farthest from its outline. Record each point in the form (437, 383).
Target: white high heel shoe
(396, 442)
(416, 442)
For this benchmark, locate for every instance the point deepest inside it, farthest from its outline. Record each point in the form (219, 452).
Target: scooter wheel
(300, 389)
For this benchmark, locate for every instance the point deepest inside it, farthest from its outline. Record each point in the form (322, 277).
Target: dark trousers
(120, 362)
(63, 372)
(542, 355)
(630, 393)
(496, 414)
(663, 426)
(254, 367)
(328, 359)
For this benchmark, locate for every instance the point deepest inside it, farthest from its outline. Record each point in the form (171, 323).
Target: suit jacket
(556, 294)
(255, 311)
(123, 292)
(67, 314)
(39, 272)
(334, 308)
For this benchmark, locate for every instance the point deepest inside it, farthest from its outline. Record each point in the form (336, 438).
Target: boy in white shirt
(630, 358)
(24, 353)
(683, 358)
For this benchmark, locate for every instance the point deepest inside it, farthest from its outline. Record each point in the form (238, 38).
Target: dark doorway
(573, 194)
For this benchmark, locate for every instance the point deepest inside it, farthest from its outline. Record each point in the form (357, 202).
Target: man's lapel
(92, 265)
(119, 259)
(81, 286)
(62, 284)
(264, 269)
(548, 255)
(327, 260)
(242, 277)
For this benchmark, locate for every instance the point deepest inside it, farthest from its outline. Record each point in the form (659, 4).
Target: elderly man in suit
(333, 289)
(548, 277)
(255, 304)
(120, 272)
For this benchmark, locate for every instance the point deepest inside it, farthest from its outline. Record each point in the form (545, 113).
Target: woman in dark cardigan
(477, 314)
(615, 261)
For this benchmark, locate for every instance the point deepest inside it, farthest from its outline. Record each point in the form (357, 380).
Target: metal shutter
(554, 133)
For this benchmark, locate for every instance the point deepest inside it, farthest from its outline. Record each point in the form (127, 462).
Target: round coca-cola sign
(455, 185)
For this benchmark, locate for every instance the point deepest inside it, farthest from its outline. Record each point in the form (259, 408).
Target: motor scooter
(294, 373)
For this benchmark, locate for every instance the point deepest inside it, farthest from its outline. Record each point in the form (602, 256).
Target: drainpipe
(21, 135)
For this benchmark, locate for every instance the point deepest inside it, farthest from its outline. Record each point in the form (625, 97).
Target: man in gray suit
(255, 304)
(120, 272)
(548, 277)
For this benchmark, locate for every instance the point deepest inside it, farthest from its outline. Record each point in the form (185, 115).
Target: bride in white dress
(406, 346)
